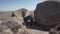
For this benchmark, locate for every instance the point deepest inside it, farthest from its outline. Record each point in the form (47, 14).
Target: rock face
(19, 14)
(47, 11)
(24, 11)
(55, 30)
(54, 0)
(14, 26)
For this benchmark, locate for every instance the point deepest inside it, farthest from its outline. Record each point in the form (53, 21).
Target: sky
(11, 5)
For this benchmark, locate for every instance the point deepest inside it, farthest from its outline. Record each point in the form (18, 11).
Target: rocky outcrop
(20, 14)
(11, 25)
(55, 30)
(47, 11)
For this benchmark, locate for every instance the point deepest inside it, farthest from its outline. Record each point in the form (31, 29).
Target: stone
(55, 30)
(12, 25)
(47, 11)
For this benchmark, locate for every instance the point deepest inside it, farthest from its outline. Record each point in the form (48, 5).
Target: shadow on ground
(33, 25)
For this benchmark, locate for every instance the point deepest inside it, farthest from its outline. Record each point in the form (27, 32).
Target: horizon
(12, 5)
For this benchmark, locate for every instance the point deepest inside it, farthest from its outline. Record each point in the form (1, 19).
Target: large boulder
(18, 15)
(54, 0)
(47, 11)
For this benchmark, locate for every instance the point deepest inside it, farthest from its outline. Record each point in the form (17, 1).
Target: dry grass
(4, 16)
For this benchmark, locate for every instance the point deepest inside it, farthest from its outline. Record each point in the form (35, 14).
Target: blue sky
(9, 5)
